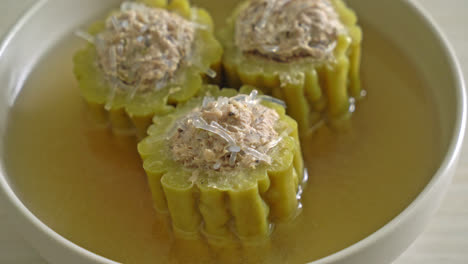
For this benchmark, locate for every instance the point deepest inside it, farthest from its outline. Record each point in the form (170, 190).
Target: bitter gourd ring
(145, 58)
(305, 52)
(227, 165)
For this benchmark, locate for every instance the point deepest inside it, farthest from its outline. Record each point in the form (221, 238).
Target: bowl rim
(448, 162)
(8, 192)
(451, 155)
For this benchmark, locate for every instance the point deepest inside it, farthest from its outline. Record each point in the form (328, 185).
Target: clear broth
(89, 186)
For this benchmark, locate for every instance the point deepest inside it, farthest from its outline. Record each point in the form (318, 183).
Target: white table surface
(445, 241)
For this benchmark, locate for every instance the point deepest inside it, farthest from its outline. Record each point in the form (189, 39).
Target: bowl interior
(37, 32)
(421, 42)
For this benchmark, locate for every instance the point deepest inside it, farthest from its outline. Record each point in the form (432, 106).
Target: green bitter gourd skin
(315, 92)
(130, 113)
(224, 206)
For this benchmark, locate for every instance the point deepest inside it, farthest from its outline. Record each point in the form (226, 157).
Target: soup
(89, 186)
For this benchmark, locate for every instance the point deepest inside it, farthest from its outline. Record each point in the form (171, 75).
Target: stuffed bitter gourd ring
(305, 52)
(145, 58)
(228, 167)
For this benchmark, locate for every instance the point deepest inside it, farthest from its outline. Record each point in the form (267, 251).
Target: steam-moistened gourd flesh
(144, 58)
(242, 149)
(306, 52)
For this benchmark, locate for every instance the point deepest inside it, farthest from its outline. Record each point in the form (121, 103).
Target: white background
(445, 240)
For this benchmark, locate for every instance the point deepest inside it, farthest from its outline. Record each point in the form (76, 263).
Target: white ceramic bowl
(405, 23)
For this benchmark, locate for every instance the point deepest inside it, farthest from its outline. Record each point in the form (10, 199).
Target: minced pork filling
(225, 134)
(142, 47)
(284, 30)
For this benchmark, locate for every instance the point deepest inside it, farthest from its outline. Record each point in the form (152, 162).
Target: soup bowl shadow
(406, 23)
